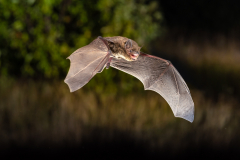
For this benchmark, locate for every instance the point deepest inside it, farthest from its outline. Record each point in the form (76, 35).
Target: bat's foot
(108, 65)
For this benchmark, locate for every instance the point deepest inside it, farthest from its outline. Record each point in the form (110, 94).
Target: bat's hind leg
(108, 63)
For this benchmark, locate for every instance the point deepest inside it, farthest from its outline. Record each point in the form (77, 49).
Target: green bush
(36, 37)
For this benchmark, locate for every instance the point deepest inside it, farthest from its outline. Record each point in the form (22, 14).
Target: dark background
(215, 17)
(112, 117)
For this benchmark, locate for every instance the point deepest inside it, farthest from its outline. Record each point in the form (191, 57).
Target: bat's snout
(134, 55)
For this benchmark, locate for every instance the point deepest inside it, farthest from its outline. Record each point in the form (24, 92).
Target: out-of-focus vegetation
(39, 114)
(37, 36)
(38, 111)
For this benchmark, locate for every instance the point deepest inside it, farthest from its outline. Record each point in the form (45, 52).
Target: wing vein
(160, 75)
(177, 90)
(175, 81)
(85, 67)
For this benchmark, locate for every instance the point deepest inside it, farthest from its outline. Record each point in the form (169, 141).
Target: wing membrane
(85, 63)
(160, 76)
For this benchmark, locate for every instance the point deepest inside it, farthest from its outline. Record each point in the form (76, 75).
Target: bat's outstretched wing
(86, 62)
(160, 76)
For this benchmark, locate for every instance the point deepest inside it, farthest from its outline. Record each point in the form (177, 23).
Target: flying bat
(155, 73)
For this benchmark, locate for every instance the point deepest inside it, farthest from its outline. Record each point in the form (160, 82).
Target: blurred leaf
(36, 37)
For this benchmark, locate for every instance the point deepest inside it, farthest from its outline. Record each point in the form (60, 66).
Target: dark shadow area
(120, 146)
(216, 16)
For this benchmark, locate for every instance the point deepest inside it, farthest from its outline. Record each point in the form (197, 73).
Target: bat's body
(124, 54)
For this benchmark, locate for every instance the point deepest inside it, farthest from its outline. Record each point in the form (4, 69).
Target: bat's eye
(130, 50)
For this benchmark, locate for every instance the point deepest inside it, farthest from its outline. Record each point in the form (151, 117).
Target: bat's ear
(140, 47)
(128, 44)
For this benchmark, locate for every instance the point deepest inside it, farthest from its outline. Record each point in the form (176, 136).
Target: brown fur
(117, 46)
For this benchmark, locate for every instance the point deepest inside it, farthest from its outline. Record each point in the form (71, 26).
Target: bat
(124, 54)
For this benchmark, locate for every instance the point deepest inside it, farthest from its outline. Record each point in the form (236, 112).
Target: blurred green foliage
(36, 36)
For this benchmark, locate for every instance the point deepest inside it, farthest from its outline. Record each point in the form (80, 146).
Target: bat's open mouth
(134, 56)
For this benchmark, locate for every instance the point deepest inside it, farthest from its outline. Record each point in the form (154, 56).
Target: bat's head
(132, 49)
